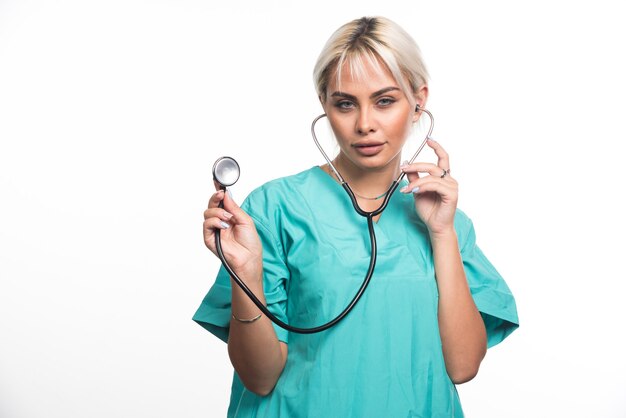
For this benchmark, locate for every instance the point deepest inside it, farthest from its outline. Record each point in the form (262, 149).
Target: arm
(255, 352)
(254, 349)
(463, 334)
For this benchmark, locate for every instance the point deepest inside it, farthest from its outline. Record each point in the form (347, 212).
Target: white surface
(112, 113)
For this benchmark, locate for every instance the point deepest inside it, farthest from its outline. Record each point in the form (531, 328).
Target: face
(370, 117)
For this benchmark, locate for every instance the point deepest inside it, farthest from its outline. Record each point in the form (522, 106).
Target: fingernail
(224, 225)
(415, 190)
(404, 189)
(404, 164)
(228, 215)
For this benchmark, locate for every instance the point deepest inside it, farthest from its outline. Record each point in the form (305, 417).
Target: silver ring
(445, 173)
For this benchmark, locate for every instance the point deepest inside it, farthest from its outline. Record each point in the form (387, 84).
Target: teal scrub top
(385, 358)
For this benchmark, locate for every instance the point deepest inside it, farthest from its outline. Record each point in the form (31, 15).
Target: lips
(369, 148)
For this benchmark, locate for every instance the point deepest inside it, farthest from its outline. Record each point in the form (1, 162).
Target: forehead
(361, 71)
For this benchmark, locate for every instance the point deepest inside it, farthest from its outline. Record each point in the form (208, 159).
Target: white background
(112, 113)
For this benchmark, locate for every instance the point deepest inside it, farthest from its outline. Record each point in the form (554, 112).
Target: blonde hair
(375, 40)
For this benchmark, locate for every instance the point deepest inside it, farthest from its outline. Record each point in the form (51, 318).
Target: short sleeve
(214, 312)
(492, 296)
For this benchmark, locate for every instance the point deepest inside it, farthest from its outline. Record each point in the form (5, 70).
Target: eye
(344, 105)
(385, 101)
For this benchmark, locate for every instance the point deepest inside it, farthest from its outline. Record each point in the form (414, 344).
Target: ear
(421, 96)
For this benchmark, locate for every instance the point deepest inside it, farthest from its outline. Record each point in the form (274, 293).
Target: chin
(375, 162)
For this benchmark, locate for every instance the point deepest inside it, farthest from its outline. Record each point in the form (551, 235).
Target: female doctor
(435, 303)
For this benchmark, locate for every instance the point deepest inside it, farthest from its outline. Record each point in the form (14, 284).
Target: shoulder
(272, 197)
(283, 185)
(280, 188)
(464, 229)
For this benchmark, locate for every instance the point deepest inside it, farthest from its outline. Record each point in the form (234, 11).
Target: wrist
(241, 304)
(251, 271)
(444, 235)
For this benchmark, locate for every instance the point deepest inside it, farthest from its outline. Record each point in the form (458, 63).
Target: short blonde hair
(375, 40)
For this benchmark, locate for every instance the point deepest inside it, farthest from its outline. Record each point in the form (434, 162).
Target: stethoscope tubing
(370, 225)
(292, 328)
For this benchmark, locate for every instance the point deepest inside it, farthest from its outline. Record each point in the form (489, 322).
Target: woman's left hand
(436, 195)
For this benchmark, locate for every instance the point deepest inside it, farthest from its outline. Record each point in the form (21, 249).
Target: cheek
(401, 126)
(339, 127)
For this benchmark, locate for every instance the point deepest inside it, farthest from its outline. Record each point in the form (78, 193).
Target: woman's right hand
(240, 242)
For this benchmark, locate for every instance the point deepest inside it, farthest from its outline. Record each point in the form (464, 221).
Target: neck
(368, 182)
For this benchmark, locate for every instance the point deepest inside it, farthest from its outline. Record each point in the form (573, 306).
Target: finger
(217, 213)
(214, 223)
(238, 215)
(447, 191)
(421, 167)
(431, 183)
(411, 174)
(216, 198)
(208, 231)
(443, 160)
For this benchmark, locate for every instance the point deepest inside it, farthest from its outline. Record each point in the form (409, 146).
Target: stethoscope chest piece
(226, 171)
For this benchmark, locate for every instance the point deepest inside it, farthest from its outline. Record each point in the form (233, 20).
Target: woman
(435, 303)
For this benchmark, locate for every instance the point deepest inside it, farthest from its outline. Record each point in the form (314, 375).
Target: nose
(365, 122)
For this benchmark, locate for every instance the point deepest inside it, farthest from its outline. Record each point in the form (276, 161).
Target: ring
(445, 173)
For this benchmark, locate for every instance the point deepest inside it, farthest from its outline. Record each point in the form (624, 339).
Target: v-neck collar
(338, 188)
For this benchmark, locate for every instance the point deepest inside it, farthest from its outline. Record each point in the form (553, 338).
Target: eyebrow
(372, 96)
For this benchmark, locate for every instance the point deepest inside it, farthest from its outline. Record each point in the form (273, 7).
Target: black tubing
(359, 293)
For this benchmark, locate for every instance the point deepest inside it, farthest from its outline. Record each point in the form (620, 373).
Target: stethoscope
(226, 173)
